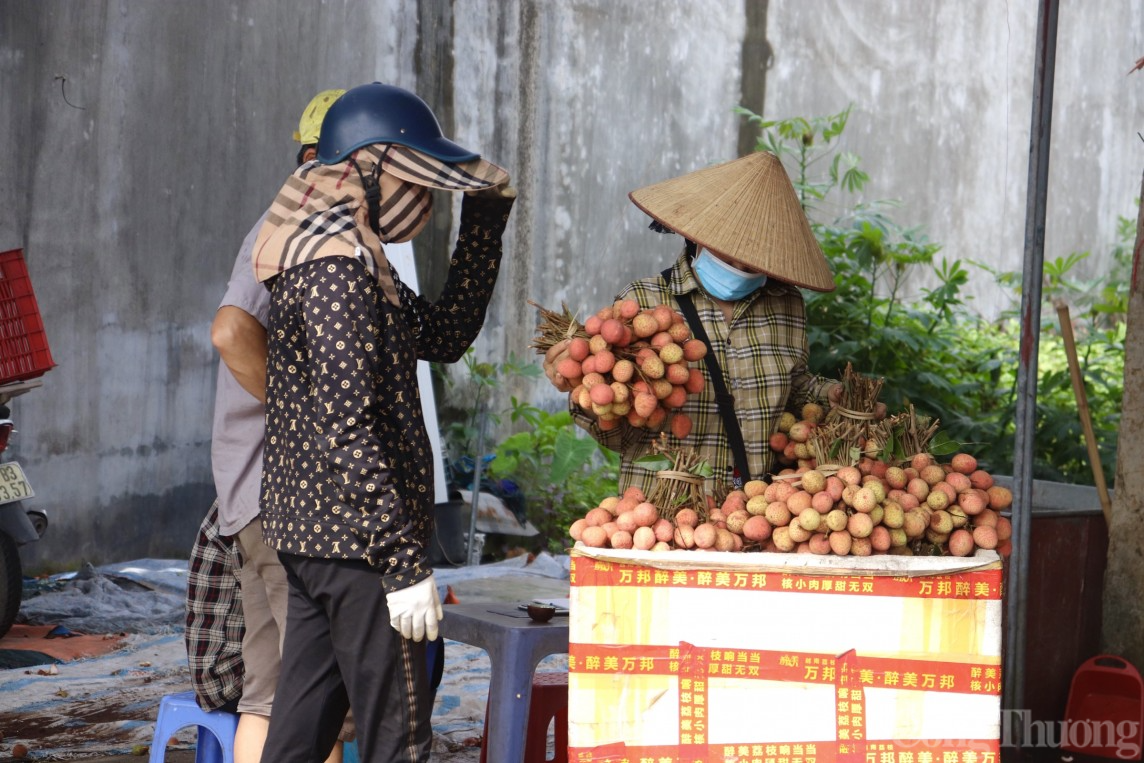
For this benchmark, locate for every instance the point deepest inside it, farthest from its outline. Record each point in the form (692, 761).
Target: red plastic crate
(24, 352)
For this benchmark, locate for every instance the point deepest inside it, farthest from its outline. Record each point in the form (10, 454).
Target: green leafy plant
(1097, 310)
(551, 442)
(810, 142)
(560, 471)
(467, 423)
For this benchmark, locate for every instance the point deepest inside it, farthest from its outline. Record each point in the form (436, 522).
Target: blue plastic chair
(177, 711)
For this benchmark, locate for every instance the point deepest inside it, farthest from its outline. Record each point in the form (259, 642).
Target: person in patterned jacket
(347, 479)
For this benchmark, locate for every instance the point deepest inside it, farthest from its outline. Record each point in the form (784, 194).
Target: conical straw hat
(746, 210)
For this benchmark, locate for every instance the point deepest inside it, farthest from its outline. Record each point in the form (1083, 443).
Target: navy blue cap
(378, 113)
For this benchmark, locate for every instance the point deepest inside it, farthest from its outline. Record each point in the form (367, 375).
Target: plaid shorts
(214, 623)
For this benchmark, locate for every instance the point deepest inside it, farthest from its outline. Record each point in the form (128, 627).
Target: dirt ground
(120, 711)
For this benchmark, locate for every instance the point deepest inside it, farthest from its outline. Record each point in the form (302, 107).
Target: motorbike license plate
(14, 486)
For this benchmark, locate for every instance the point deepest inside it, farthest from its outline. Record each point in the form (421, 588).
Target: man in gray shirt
(239, 334)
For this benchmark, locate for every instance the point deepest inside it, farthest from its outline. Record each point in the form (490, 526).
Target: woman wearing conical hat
(748, 250)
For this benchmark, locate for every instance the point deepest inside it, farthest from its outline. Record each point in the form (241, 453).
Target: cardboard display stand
(694, 656)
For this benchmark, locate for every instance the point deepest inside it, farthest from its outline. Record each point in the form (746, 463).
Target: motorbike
(18, 525)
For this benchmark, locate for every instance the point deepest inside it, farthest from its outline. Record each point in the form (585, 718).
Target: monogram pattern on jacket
(348, 467)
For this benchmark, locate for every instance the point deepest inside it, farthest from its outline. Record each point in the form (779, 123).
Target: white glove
(415, 611)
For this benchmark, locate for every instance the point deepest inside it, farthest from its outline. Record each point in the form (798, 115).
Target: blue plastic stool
(177, 711)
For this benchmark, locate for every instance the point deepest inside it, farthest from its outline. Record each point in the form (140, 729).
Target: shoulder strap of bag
(723, 397)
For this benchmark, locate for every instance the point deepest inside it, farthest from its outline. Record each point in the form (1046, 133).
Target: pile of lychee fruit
(920, 507)
(791, 439)
(633, 364)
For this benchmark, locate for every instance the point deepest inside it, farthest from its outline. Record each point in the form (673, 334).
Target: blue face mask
(723, 281)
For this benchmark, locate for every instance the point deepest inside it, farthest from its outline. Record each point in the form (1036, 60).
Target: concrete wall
(942, 112)
(132, 180)
(130, 183)
(145, 138)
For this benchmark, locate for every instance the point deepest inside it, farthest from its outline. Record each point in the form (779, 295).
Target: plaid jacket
(763, 354)
(214, 624)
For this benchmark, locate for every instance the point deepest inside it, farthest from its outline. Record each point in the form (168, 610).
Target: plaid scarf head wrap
(322, 209)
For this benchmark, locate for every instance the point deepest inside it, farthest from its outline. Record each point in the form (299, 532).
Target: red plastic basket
(24, 352)
(1106, 709)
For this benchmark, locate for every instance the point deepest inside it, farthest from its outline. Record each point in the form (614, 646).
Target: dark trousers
(340, 650)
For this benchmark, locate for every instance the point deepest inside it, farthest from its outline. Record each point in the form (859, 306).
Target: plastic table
(515, 644)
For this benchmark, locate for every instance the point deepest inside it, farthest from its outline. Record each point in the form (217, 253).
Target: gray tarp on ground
(146, 596)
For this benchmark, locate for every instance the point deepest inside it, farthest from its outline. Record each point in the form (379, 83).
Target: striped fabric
(321, 210)
(421, 169)
(763, 355)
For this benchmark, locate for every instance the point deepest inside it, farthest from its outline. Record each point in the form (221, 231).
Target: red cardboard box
(694, 656)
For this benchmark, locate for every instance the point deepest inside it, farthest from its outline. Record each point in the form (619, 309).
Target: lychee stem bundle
(555, 327)
(849, 430)
(859, 397)
(913, 432)
(678, 487)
